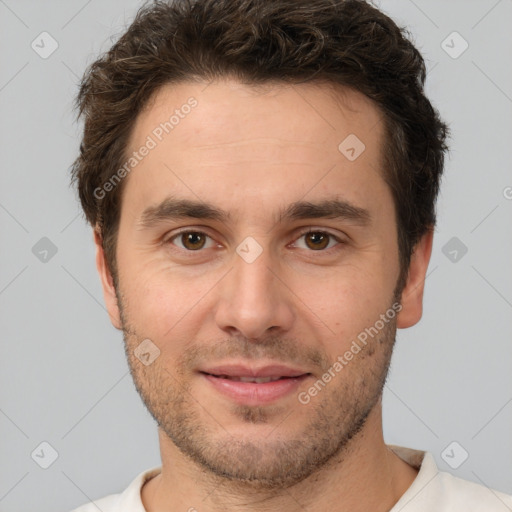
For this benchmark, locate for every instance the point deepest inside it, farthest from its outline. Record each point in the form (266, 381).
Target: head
(212, 121)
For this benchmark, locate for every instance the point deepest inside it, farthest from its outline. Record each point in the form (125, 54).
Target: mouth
(254, 386)
(257, 380)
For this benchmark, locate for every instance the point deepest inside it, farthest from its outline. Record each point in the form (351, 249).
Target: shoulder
(106, 504)
(443, 492)
(127, 501)
(459, 494)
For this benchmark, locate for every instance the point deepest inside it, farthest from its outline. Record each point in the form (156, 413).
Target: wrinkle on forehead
(278, 141)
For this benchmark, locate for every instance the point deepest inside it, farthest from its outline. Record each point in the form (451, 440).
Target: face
(253, 246)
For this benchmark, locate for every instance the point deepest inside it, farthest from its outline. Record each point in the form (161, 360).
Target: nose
(253, 299)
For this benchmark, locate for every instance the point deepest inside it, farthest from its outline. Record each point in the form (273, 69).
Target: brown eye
(189, 240)
(193, 240)
(317, 240)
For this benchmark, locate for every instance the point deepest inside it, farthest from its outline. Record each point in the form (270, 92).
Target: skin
(251, 152)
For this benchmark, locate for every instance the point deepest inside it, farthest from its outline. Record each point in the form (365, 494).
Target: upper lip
(239, 370)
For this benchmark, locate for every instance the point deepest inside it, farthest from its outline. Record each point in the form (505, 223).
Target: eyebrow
(175, 209)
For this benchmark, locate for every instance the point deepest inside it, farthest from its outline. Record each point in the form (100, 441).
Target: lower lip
(253, 393)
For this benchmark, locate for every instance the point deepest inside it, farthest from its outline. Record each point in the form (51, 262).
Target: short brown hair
(346, 42)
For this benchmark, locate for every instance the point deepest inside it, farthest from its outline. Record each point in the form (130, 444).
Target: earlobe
(107, 282)
(412, 294)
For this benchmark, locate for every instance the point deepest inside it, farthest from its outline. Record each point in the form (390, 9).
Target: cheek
(344, 303)
(147, 294)
(163, 301)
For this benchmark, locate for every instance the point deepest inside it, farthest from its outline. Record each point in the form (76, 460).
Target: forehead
(227, 136)
(226, 104)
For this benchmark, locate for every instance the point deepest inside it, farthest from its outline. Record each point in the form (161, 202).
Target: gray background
(64, 379)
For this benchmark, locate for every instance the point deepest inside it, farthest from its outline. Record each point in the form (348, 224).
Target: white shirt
(431, 491)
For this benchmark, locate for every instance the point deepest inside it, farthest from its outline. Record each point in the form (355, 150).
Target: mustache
(278, 349)
(283, 350)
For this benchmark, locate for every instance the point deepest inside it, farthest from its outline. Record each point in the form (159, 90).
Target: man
(261, 177)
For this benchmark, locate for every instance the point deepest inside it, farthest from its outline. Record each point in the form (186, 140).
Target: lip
(239, 370)
(254, 393)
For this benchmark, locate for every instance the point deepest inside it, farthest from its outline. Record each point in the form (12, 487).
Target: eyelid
(325, 231)
(305, 231)
(201, 230)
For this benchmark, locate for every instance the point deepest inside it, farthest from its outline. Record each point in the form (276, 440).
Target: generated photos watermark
(305, 397)
(152, 140)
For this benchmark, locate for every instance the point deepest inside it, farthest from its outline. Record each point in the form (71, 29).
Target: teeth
(258, 380)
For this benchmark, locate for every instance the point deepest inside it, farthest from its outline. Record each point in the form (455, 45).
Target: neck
(366, 476)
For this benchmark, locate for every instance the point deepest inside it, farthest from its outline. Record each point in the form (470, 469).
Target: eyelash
(169, 240)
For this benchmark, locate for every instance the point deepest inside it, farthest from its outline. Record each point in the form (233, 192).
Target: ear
(412, 294)
(107, 283)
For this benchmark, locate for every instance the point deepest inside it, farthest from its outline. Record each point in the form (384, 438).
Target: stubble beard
(337, 414)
